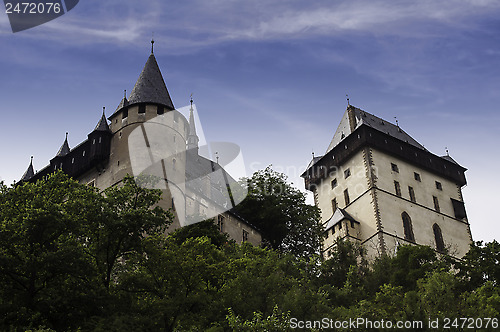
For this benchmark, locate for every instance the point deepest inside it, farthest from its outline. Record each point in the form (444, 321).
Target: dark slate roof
(103, 124)
(29, 172)
(64, 150)
(150, 87)
(122, 104)
(364, 118)
(338, 216)
(449, 159)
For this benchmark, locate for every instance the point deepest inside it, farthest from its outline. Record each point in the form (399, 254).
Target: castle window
(340, 225)
(394, 168)
(346, 197)
(100, 140)
(347, 173)
(118, 163)
(93, 141)
(458, 208)
(417, 176)
(83, 153)
(220, 223)
(125, 114)
(333, 230)
(407, 227)
(159, 110)
(245, 236)
(436, 203)
(439, 186)
(438, 237)
(397, 187)
(142, 108)
(334, 183)
(412, 194)
(352, 224)
(72, 160)
(334, 205)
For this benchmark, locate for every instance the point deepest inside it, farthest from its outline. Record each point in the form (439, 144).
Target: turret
(100, 141)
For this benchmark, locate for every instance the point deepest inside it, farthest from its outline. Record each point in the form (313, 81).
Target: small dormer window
(142, 109)
(125, 114)
(160, 110)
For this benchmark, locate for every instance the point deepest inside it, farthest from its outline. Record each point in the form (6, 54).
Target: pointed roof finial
(125, 93)
(103, 110)
(447, 152)
(217, 156)
(313, 154)
(66, 135)
(397, 123)
(29, 172)
(152, 42)
(191, 101)
(347, 96)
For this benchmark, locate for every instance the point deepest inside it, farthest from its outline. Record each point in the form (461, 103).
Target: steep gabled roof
(354, 117)
(29, 172)
(123, 103)
(64, 149)
(338, 216)
(103, 124)
(150, 87)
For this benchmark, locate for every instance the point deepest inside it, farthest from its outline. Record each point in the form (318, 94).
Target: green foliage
(279, 210)
(72, 259)
(277, 321)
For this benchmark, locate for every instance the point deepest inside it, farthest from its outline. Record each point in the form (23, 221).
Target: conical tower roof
(64, 150)
(192, 139)
(150, 87)
(29, 172)
(103, 123)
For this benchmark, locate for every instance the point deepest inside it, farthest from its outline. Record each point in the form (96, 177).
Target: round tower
(149, 138)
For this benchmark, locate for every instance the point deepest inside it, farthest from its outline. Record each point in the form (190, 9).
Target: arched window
(408, 228)
(438, 237)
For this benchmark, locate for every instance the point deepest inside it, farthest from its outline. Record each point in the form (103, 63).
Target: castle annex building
(380, 187)
(147, 135)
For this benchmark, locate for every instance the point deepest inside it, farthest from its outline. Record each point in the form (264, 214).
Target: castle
(147, 135)
(378, 186)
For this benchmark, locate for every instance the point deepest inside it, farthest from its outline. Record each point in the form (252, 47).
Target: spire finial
(347, 96)
(66, 135)
(217, 156)
(447, 152)
(103, 110)
(125, 93)
(313, 154)
(191, 101)
(31, 162)
(152, 42)
(397, 123)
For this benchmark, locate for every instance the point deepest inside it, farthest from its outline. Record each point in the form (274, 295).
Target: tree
(62, 245)
(279, 210)
(45, 276)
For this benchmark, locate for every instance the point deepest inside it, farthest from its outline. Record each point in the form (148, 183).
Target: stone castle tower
(147, 135)
(378, 186)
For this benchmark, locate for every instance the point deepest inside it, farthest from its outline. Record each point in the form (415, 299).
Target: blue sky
(270, 76)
